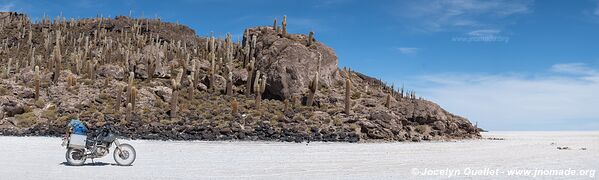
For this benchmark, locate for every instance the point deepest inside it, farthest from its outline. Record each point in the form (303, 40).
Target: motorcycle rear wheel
(124, 155)
(75, 157)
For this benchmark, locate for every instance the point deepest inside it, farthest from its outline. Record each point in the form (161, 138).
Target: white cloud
(521, 101)
(484, 32)
(408, 50)
(573, 68)
(327, 3)
(7, 7)
(440, 15)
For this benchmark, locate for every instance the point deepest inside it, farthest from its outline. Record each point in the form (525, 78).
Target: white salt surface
(43, 158)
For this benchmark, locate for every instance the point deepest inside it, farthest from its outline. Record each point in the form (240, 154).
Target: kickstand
(93, 161)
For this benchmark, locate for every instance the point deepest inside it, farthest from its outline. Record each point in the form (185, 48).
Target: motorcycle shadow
(91, 164)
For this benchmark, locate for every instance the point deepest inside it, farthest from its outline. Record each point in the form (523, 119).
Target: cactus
(32, 60)
(37, 82)
(92, 70)
(311, 38)
(285, 104)
(234, 107)
(107, 81)
(348, 85)
(151, 67)
(274, 25)
(248, 84)
(212, 72)
(260, 86)
(119, 98)
(313, 88)
(131, 90)
(191, 86)
(388, 100)
(314, 84)
(229, 89)
(130, 82)
(174, 98)
(7, 72)
(256, 81)
(284, 23)
(57, 57)
(71, 81)
(133, 97)
(129, 115)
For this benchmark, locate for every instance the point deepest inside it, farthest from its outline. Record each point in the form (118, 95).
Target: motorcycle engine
(102, 151)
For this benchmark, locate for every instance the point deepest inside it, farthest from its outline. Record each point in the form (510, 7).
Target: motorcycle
(80, 147)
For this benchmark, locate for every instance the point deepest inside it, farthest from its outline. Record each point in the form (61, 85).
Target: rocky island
(160, 80)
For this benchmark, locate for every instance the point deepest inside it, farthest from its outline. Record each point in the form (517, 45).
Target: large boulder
(290, 63)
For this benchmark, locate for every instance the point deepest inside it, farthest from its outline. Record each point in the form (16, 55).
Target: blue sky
(508, 65)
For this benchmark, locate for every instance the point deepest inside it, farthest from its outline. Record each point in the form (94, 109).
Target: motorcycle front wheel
(75, 157)
(124, 154)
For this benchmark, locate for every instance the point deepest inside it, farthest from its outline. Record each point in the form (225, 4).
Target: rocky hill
(159, 80)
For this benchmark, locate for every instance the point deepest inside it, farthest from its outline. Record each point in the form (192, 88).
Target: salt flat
(43, 158)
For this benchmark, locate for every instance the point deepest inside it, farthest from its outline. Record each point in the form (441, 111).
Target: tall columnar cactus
(119, 98)
(151, 66)
(71, 81)
(7, 72)
(212, 72)
(131, 90)
(32, 60)
(274, 25)
(284, 23)
(348, 85)
(57, 62)
(388, 100)
(92, 69)
(129, 115)
(234, 107)
(256, 81)
(285, 104)
(191, 87)
(174, 98)
(37, 82)
(229, 89)
(133, 97)
(248, 83)
(313, 88)
(314, 84)
(259, 89)
(311, 38)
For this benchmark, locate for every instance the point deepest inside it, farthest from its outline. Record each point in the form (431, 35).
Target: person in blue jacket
(77, 127)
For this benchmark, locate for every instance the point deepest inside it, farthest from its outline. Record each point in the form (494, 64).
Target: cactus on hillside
(314, 84)
(348, 85)
(234, 107)
(259, 88)
(71, 81)
(311, 38)
(129, 112)
(229, 90)
(284, 23)
(191, 88)
(388, 100)
(7, 71)
(174, 98)
(248, 83)
(119, 98)
(37, 82)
